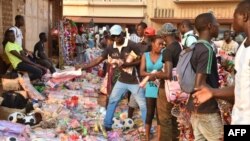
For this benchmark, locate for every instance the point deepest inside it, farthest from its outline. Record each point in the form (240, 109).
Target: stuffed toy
(11, 139)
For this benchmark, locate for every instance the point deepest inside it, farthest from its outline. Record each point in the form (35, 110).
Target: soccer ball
(11, 139)
(117, 124)
(29, 120)
(16, 117)
(128, 124)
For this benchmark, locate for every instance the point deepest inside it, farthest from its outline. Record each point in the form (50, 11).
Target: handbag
(173, 90)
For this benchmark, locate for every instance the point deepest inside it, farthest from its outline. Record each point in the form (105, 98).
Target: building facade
(105, 11)
(154, 12)
(174, 11)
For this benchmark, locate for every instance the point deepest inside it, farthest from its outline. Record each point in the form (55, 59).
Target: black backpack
(14, 100)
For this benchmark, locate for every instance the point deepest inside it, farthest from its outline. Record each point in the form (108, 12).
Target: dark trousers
(151, 104)
(47, 64)
(34, 73)
(167, 121)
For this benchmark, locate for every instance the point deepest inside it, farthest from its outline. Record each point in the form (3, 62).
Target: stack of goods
(69, 45)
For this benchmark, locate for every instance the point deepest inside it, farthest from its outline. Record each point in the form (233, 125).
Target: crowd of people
(152, 57)
(156, 57)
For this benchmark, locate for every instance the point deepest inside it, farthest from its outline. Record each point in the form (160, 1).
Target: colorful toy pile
(70, 113)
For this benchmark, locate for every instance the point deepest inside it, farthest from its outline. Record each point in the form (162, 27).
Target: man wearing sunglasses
(119, 51)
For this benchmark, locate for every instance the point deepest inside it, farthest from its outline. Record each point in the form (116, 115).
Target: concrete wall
(189, 9)
(5, 19)
(101, 8)
(36, 21)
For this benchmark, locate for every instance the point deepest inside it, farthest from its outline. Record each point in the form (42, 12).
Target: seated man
(39, 53)
(18, 59)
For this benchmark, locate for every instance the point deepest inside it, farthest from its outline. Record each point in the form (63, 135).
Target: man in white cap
(121, 48)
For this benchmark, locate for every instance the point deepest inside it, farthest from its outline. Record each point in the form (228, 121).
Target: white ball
(117, 124)
(128, 124)
(12, 139)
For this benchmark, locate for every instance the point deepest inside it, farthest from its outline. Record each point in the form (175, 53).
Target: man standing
(188, 37)
(205, 119)
(240, 92)
(121, 48)
(40, 55)
(19, 22)
(81, 42)
(227, 45)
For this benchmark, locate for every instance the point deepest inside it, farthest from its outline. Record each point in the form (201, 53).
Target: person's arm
(167, 74)
(203, 94)
(143, 73)
(25, 59)
(95, 62)
(204, 59)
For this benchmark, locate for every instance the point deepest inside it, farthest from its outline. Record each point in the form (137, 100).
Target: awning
(178, 20)
(118, 20)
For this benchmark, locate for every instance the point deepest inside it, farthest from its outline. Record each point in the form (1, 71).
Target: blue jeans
(119, 90)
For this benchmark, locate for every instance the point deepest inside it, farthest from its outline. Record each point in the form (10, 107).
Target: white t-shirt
(133, 37)
(228, 48)
(18, 35)
(188, 39)
(241, 109)
(97, 38)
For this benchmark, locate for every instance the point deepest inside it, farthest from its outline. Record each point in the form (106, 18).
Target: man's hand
(152, 77)
(202, 95)
(29, 53)
(77, 67)
(81, 66)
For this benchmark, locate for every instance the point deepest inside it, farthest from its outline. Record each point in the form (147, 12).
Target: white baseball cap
(115, 30)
